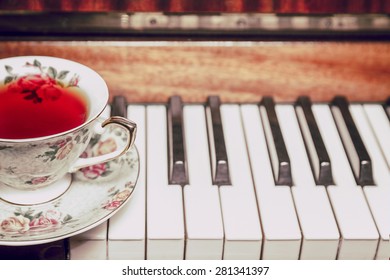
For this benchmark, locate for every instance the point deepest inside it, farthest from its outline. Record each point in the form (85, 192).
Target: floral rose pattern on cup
(39, 87)
(38, 180)
(27, 222)
(53, 152)
(64, 151)
(58, 150)
(61, 148)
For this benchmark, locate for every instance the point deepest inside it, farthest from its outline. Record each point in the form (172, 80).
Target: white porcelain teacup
(33, 163)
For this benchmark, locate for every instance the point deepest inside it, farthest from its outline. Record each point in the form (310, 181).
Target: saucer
(33, 197)
(94, 195)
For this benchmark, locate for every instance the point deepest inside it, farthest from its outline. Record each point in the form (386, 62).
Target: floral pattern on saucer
(29, 221)
(88, 202)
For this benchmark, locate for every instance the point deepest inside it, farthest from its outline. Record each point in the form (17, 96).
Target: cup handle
(128, 125)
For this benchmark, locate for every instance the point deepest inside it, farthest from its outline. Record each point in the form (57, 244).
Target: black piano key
(276, 147)
(56, 250)
(387, 107)
(119, 106)
(315, 147)
(119, 109)
(353, 144)
(176, 147)
(218, 154)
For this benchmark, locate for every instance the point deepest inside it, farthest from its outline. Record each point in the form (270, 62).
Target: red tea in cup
(37, 105)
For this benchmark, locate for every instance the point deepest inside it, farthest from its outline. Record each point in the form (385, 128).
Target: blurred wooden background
(264, 6)
(238, 73)
(153, 71)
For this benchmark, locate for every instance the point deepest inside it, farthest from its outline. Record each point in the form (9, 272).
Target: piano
(263, 126)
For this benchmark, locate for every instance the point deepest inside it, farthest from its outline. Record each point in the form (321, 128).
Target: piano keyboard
(252, 181)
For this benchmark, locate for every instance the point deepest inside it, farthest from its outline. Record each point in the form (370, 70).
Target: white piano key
(164, 202)
(126, 232)
(381, 126)
(89, 245)
(378, 196)
(282, 236)
(357, 228)
(243, 235)
(318, 225)
(204, 228)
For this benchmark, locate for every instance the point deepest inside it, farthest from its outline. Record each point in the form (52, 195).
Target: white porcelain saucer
(94, 195)
(34, 197)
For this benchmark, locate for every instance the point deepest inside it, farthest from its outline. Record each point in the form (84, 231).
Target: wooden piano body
(237, 71)
(142, 59)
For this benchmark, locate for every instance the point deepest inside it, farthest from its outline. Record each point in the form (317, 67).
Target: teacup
(31, 163)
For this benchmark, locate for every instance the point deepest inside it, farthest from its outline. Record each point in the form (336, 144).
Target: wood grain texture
(244, 73)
